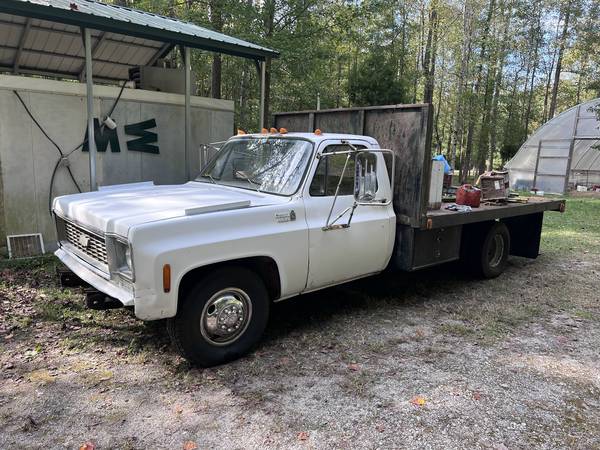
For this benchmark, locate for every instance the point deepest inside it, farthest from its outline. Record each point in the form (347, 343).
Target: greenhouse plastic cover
(578, 126)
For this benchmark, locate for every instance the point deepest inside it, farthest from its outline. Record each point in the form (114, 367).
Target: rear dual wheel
(221, 317)
(495, 250)
(487, 248)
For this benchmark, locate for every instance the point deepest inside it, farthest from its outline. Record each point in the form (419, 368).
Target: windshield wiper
(242, 176)
(209, 176)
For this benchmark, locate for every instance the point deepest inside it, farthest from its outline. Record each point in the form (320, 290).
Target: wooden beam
(60, 55)
(54, 74)
(161, 53)
(22, 40)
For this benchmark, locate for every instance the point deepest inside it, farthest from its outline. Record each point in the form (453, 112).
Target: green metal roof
(132, 22)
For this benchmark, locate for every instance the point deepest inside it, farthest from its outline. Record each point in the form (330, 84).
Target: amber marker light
(273, 130)
(318, 132)
(264, 131)
(167, 278)
(283, 130)
(240, 132)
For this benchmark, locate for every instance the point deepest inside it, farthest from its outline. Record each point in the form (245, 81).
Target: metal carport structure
(87, 39)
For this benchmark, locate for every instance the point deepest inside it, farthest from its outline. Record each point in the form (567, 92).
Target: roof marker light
(264, 131)
(240, 132)
(283, 130)
(318, 132)
(273, 130)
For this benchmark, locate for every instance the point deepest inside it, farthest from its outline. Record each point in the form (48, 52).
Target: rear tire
(221, 317)
(494, 251)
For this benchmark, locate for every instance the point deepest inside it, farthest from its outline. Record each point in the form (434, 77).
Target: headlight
(123, 259)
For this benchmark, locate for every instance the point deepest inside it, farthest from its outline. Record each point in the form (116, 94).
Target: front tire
(221, 317)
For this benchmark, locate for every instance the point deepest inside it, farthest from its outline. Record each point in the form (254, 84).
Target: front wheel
(220, 318)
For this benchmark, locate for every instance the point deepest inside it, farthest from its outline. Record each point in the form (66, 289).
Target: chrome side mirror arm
(330, 225)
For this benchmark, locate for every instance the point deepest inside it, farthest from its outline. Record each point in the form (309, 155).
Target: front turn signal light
(167, 278)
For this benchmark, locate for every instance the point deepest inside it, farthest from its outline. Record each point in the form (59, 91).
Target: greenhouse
(561, 155)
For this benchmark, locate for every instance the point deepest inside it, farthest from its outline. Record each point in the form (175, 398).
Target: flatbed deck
(446, 218)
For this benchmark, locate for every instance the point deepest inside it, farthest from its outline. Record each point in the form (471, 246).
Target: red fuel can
(468, 195)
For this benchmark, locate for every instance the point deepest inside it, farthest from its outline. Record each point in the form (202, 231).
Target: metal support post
(188, 109)
(263, 85)
(87, 39)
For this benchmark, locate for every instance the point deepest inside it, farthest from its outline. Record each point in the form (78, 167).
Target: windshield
(268, 164)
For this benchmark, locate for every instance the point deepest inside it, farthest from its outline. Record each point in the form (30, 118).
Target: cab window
(328, 173)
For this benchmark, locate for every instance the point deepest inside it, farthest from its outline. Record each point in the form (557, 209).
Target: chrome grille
(86, 242)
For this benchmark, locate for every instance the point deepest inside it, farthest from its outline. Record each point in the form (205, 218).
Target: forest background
(495, 70)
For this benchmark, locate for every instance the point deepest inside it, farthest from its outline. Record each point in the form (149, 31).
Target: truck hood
(115, 209)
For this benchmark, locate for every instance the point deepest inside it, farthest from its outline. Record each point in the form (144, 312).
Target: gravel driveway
(426, 360)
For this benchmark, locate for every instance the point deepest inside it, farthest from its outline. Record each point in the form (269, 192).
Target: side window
(328, 173)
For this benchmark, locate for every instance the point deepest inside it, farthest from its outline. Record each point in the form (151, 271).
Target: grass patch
(39, 264)
(577, 229)
(456, 329)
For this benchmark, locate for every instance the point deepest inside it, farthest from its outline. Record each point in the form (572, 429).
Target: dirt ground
(433, 359)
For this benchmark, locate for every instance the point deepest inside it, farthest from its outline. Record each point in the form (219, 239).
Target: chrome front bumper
(89, 274)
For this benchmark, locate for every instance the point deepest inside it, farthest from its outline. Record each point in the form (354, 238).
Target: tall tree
(566, 16)
(216, 20)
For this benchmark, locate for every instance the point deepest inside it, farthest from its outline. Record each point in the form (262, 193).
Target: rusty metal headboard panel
(406, 129)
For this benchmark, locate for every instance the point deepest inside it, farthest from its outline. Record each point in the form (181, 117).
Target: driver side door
(341, 254)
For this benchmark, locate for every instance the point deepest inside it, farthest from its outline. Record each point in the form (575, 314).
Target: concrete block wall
(27, 157)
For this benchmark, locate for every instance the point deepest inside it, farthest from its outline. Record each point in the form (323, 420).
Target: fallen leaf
(303, 436)
(105, 375)
(418, 400)
(41, 376)
(476, 395)
(190, 445)
(178, 409)
(354, 367)
(89, 445)
(380, 428)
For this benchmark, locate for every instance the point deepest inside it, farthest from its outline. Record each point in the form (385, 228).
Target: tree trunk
(473, 99)
(269, 26)
(216, 20)
(430, 53)
(457, 129)
(561, 49)
(497, 86)
(438, 135)
(538, 38)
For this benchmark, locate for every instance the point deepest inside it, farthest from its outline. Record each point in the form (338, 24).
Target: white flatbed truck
(274, 216)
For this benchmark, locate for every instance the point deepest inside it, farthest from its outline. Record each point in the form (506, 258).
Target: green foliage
(495, 61)
(375, 82)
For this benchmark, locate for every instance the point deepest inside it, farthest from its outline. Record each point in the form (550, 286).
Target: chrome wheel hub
(225, 316)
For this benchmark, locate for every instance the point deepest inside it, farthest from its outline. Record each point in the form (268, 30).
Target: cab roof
(315, 138)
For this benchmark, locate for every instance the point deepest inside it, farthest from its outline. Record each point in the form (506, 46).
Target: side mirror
(365, 177)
